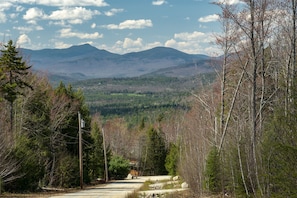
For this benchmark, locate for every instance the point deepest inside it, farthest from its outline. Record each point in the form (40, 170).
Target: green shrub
(119, 167)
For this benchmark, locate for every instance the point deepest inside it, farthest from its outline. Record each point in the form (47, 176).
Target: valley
(132, 96)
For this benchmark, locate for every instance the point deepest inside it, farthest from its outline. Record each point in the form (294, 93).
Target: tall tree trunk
(11, 132)
(254, 120)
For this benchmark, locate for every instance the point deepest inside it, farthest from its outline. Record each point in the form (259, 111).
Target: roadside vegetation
(233, 134)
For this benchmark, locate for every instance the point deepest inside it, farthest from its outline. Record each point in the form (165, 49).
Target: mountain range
(86, 61)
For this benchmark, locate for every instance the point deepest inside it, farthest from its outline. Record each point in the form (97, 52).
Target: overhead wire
(61, 134)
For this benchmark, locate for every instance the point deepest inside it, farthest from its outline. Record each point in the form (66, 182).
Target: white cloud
(209, 18)
(2, 17)
(23, 39)
(113, 11)
(131, 24)
(19, 8)
(93, 25)
(60, 23)
(189, 36)
(170, 43)
(73, 15)
(191, 42)
(33, 14)
(68, 33)
(27, 29)
(61, 45)
(159, 2)
(13, 15)
(230, 2)
(63, 3)
(129, 43)
(5, 5)
(185, 46)
(152, 45)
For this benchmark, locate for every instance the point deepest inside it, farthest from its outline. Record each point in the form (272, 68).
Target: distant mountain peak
(86, 45)
(92, 62)
(83, 48)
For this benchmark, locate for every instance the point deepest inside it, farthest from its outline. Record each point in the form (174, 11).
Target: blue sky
(119, 26)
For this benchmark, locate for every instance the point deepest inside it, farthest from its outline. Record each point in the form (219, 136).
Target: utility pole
(80, 150)
(105, 158)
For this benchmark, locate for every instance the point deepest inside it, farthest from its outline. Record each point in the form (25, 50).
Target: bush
(119, 167)
(30, 171)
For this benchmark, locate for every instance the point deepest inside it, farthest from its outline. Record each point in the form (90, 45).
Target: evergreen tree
(280, 153)
(212, 172)
(154, 153)
(96, 166)
(172, 159)
(13, 78)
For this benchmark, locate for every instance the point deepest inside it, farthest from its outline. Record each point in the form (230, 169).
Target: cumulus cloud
(209, 18)
(189, 36)
(159, 2)
(73, 15)
(63, 3)
(23, 39)
(5, 5)
(113, 11)
(190, 42)
(131, 24)
(185, 46)
(61, 45)
(68, 33)
(129, 43)
(33, 14)
(76, 13)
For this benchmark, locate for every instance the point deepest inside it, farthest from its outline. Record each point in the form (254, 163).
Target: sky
(118, 26)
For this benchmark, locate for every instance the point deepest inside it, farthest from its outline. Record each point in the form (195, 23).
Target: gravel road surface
(114, 189)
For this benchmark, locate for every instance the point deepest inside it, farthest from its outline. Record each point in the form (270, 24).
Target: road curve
(114, 189)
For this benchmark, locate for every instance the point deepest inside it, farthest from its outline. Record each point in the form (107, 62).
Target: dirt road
(116, 189)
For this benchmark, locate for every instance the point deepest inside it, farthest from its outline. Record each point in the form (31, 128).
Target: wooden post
(105, 158)
(80, 152)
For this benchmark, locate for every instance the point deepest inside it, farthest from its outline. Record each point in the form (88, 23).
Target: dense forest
(237, 136)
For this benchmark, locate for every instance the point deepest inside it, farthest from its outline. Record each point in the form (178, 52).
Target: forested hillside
(234, 137)
(139, 95)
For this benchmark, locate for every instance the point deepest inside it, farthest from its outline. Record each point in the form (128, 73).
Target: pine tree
(97, 155)
(155, 153)
(172, 159)
(13, 80)
(212, 172)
